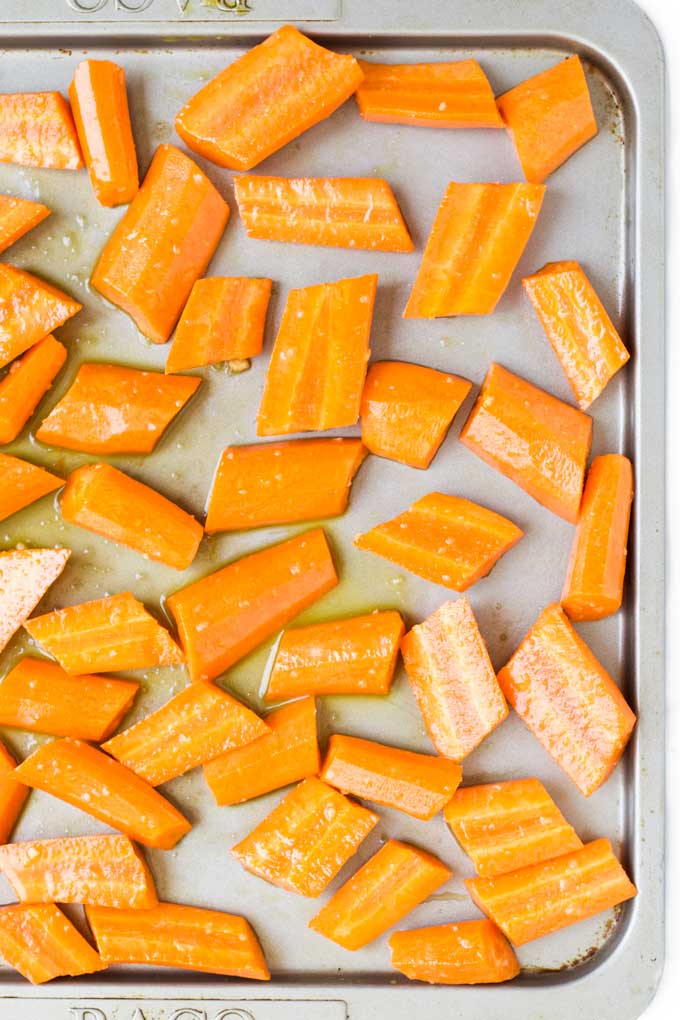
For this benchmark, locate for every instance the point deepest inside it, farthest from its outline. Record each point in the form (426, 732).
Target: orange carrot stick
(22, 484)
(25, 384)
(42, 944)
(17, 217)
(318, 365)
(13, 795)
(229, 613)
(388, 887)
(25, 576)
(29, 310)
(163, 243)
(267, 97)
(37, 129)
(467, 953)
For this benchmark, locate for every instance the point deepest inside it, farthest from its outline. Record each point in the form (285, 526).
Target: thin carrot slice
(163, 243)
(476, 241)
(37, 129)
(25, 384)
(12, 794)
(406, 410)
(22, 484)
(42, 944)
(542, 898)
(467, 953)
(267, 97)
(445, 539)
(25, 576)
(568, 700)
(388, 887)
(536, 440)
(29, 310)
(318, 365)
(17, 217)
(229, 613)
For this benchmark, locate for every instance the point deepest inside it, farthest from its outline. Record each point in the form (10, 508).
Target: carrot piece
(227, 614)
(388, 887)
(13, 795)
(549, 116)
(356, 655)
(445, 539)
(40, 942)
(568, 700)
(288, 752)
(318, 365)
(17, 217)
(267, 97)
(25, 576)
(22, 484)
(29, 310)
(467, 953)
(163, 243)
(406, 410)
(37, 129)
(25, 384)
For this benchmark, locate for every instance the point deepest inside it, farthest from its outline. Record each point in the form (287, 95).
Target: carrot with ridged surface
(40, 942)
(26, 383)
(37, 129)
(22, 484)
(13, 794)
(466, 953)
(25, 576)
(29, 310)
(17, 217)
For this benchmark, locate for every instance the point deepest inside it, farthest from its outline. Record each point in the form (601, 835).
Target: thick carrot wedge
(29, 310)
(318, 365)
(306, 840)
(25, 384)
(12, 794)
(568, 700)
(40, 942)
(17, 217)
(453, 680)
(477, 238)
(267, 97)
(542, 898)
(37, 129)
(104, 500)
(593, 587)
(467, 953)
(82, 776)
(406, 410)
(287, 753)
(388, 887)
(357, 655)
(445, 539)
(163, 243)
(536, 440)
(229, 613)
(22, 484)
(25, 576)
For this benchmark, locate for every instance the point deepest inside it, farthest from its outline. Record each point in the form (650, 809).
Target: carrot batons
(536, 440)
(569, 702)
(478, 236)
(445, 539)
(163, 243)
(467, 953)
(12, 795)
(29, 310)
(40, 942)
(227, 614)
(549, 116)
(406, 410)
(306, 840)
(25, 576)
(37, 129)
(388, 887)
(22, 484)
(267, 97)
(25, 384)
(17, 217)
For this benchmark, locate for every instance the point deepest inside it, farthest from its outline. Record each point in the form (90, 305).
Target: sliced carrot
(406, 410)
(318, 365)
(22, 484)
(17, 217)
(306, 840)
(536, 440)
(229, 613)
(12, 795)
(163, 243)
(388, 887)
(568, 700)
(37, 129)
(267, 97)
(25, 576)
(467, 953)
(25, 384)
(42, 944)
(29, 310)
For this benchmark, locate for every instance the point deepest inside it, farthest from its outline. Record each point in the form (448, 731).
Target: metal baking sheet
(605, 208)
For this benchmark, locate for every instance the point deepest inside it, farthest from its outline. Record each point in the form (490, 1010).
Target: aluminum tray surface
(604, 208)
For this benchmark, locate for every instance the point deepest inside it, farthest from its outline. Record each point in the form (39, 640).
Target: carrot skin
(29, 310)
(26, 383)
(40, 942)
(467, 953)
(17, 217)
(37, 129)
(22, 484)
(25, 576)
(13, 795)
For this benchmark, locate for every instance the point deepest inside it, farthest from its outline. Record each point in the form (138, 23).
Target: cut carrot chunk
(12, 794)
(88, 779)
(229, 613)
(467, 953)
(388, 887)
(25, 384)
(536, 440)
(40, 942)
(357, 655)
(29, 310)
(542, 898)
(549, 116)
(37, 129)
(287, 753)
(25, 576)
(22, 484)
(306, 840)
(267, 97)
(102, 499)
(445, 539)
(593, 587)
(406, 410)
(318, 365)
(163, 243)
(17, 217)
(478, 236)
(568, 700)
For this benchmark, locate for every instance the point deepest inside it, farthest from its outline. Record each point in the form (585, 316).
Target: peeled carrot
(306, 840)
(37, 129)
(25, 384)
(12, 795)
(29, 310)
(267, 97)
(25, 576)
(22, 484)
(42, 944)
(318, 365)
(453, 680)
(104, 500)
(476, 241)
(229, 613)
(467, 953)
(406, 410)
(17, 217)
(163, 243)
(445, 539)
(536, 440)
(388, 887)
(568, 700)
(356, 655)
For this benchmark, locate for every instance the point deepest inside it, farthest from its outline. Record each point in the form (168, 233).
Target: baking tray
(605, 208)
